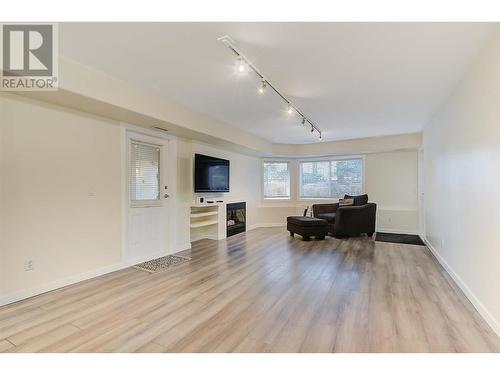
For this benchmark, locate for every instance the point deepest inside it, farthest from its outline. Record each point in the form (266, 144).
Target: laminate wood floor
(260, 291)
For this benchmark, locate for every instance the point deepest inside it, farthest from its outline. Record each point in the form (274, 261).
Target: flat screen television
(211, 175)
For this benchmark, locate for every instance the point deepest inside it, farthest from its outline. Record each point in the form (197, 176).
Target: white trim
(398, 231)
(385, 230)
(131, 132)
(205, 237)
(290, 167)
(329, 159)
(265, 225)
(124, 189)
(183, 247)
(481, 309)
(421, 189)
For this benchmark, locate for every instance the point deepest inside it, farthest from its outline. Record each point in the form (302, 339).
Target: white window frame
(290, 177)
(330, 159)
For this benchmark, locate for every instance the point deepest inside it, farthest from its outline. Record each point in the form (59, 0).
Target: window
(144, 172)
(331, 178)
(276, 179)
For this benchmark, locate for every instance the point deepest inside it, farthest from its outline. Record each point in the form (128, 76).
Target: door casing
(169, 179)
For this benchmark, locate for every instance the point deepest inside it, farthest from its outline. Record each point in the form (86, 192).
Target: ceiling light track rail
(229, 43)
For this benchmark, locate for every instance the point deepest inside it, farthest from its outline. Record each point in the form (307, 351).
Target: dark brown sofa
(348, 220)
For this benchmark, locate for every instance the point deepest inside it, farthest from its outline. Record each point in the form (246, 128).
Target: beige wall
(90, 90)
(391, 181)
(60, 201)
(462, 180)
(61, 195)
(244, 182)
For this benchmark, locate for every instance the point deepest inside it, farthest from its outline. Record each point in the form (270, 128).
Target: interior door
(147, 217)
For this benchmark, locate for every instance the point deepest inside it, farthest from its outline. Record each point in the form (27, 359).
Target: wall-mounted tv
(211, 175)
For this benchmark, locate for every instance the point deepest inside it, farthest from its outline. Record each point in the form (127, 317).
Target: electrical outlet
(29, 265)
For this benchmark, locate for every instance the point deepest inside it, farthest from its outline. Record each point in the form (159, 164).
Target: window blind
(144, 172)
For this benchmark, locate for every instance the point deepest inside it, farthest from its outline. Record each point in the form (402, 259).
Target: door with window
(147, 217)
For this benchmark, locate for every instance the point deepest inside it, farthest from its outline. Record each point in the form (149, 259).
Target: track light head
(240, 66)
(290, 109)
(262, 88)
(320, 137)
(312, 129)
(303, 120)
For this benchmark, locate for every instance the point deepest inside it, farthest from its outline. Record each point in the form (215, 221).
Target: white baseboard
(27, 293)
(266, 225)
(186, 246)
(481, 309)
(57, 284)
(204, 237)
(386, 230)
(397, 231)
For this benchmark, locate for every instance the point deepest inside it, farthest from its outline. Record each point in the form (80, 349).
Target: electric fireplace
(235, 218)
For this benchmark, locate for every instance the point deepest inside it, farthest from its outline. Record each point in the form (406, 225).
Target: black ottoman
(307, 226)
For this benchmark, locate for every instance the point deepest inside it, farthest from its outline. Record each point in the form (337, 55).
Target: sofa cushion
(346, 202)
(330, 217)
(359, 200)
(306, 221)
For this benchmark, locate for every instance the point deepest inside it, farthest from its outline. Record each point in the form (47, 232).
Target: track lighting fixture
(320, 137)
(262, 88)
(243, 64)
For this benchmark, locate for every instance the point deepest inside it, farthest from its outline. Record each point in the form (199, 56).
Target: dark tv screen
(210, 174)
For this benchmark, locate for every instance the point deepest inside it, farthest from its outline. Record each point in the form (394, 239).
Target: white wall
(61, 193)
(391, 181)
(462, 183)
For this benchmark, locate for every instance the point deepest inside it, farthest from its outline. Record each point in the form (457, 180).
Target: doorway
(147, 197)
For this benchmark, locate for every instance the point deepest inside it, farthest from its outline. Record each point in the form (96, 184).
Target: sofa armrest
(325, 208)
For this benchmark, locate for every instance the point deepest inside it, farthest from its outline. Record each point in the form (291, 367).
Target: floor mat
(161, 264)
(409, 239)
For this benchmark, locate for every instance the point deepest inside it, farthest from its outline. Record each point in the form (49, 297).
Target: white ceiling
(353, 79)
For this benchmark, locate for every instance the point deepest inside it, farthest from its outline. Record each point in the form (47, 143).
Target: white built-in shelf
(201, 214)
(204, 223)
(207, 220)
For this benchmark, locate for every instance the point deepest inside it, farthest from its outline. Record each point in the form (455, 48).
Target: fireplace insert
(235, 218)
